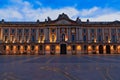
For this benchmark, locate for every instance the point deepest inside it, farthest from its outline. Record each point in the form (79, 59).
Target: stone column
(76, 34)
(117, 35)
(89, 36)
(23, 35)
(109, 34)
(37, 32)
(48, 34)
(16, 35)
(59, 34)
(103, 36)
(9, 35)
(69, 33)
(80, 34)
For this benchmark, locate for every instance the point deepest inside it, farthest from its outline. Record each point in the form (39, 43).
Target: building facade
(60, 36)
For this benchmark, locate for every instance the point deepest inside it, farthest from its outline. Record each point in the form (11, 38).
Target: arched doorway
(100, 49)
(63, 49)
(108, 51)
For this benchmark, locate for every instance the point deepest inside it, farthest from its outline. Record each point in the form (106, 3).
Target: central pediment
(63, 22)
(62, 19)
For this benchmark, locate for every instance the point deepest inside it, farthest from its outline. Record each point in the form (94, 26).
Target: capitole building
(60, 36)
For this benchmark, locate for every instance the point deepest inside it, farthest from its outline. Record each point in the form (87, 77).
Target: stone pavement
(63, 67)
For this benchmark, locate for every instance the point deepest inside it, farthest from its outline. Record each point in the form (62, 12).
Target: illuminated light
(57, 47)
(28, 48)
(27, 41)
(20, 41)
(97, 47)
(112, 48)
(68, 47)
(14, 49)
(38, 41)
(47, 47)
(104, 47)
(6, 41)
(66, 38)
(7, 47)
(89, 48)
(118, 49)
(36, 49)
(94, 40)
(108, 41)
(79, 47)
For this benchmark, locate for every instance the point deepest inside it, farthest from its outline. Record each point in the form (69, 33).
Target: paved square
(63, 67)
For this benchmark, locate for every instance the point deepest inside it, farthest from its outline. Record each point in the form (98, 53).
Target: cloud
(24, 11)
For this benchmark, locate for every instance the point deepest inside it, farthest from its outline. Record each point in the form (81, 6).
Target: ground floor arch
(63, 49)
(108, 50)
(100, 49)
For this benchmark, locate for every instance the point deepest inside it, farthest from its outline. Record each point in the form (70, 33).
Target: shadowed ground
(62, 67)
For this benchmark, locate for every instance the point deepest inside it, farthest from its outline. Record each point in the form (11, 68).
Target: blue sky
(31, 10)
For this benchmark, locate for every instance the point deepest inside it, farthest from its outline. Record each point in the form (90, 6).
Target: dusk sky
(31, 10)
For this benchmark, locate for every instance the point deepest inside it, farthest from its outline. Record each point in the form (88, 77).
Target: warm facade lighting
(79, 47)
(47, 47)
(95, 40)
(69, 48)
(7, 48)
(57, 47)
(89, 48)
(66, 38)
(53, 38)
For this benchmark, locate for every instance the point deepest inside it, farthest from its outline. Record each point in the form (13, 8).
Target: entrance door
(63, 49)
(100, 49)
(108, 49)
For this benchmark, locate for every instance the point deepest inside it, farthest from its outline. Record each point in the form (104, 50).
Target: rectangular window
(33, 38)
(73, 37)
(99, 30)
(19, 31)
(113, 31)
(84, 30)
(84, 38)
(92, 30)
(26, 31)
(13, 31)
(5, 30)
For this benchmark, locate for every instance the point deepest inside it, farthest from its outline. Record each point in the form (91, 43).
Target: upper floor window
(118, 30)
(33, 38)
(106, 31)
(26, 30)
(73, 30)
(73, 37)
(53, 30)
(63, 37)
(113, 31)
(113, 39)
(99, 31)
(5, 30)
(84, 38)
(84, 30)
(19, 30)
(41, 30)
(99, 38)
(13, 31)
(33, 30)
(92, 30)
